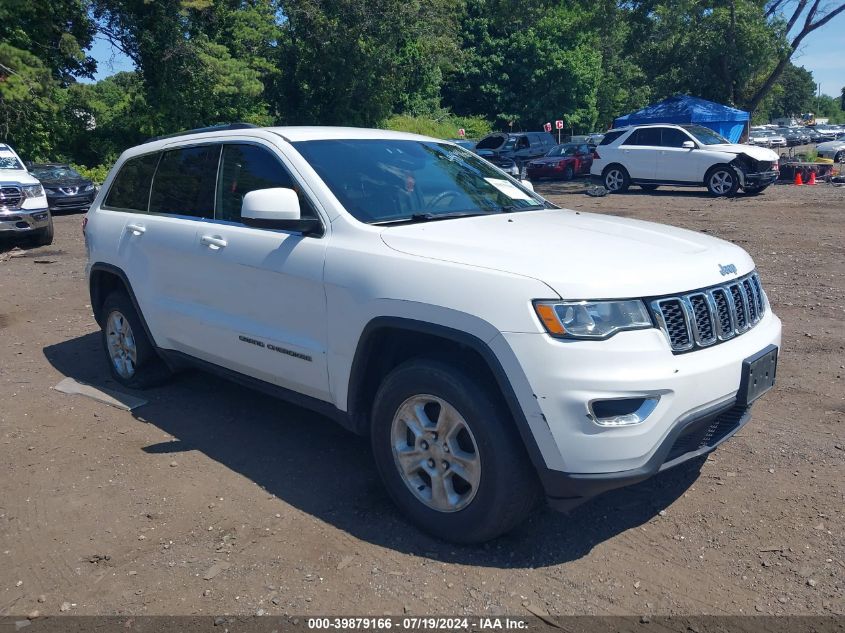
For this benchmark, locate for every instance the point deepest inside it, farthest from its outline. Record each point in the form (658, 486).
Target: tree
(801, 18)
(794, 93)
(529, 66)
(352, 62)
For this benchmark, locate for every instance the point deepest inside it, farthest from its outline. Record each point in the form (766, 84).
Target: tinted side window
(611, 136)
(647, 136)
(671, 137)
(184, 182)
(245, 168)
(130, 190)
(522, 142)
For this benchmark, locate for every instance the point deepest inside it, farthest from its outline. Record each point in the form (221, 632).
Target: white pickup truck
(23, 203)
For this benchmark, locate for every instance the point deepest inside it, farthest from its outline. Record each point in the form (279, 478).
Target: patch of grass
(444, 127)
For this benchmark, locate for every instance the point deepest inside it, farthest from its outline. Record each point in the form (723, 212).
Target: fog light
(622, 411)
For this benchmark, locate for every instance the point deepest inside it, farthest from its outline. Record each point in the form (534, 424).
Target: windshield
(9, 161)
(388, 180)
(706, 136)
(55, 173)
(563, 150)
(494, 141)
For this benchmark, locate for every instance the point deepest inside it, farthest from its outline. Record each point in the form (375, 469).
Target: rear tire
(721, 181)
(568, 173)
(839, 158)
(131, 356)
(616, 179)
(449, 454)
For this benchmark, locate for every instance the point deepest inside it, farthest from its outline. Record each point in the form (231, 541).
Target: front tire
(131, 356)
(616, 179)
(44, 237)
(449, 454)
(721, 181)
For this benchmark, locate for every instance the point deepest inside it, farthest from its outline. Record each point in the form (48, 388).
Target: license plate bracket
(758, 375)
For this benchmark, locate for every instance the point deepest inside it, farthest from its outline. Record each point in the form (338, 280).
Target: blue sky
(823, 53)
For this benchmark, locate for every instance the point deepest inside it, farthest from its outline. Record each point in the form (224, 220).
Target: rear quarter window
(611, 136)
(185, 182)
(130, 190)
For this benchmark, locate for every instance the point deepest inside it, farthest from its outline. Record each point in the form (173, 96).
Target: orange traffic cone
(812, 180)
(798, 180)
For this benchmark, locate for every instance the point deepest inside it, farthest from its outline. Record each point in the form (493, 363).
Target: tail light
(84, 223)
(596, 154)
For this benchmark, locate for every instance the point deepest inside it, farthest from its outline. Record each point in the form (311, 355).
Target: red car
(563, 162)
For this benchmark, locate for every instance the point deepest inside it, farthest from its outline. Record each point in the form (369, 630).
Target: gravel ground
(216, 499)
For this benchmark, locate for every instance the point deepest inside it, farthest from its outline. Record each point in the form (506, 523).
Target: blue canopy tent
(729, 122)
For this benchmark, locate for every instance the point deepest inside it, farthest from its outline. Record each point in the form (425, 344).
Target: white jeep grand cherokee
(494, 347)
(681, 155)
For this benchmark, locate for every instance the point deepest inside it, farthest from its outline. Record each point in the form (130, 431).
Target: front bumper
(692, 389)
(761, 179)
(70, 203)
(23, 220)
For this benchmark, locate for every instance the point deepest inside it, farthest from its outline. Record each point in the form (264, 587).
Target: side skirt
(181, 361)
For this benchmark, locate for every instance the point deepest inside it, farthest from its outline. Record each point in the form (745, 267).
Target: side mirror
(688, 145)
(527, 184)
(276, 208)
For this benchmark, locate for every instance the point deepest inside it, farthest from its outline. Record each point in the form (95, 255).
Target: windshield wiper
(433, 217)
(512, 208)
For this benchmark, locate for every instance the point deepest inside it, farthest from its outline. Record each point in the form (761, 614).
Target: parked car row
(768, 136)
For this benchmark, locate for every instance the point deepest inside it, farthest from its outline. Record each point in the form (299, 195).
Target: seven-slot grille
(10, 198)
(713, 315)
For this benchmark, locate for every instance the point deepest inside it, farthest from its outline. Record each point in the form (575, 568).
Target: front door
(262, 290)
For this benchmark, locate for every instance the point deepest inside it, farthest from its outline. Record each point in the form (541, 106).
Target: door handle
(213, 242)
(137, 229)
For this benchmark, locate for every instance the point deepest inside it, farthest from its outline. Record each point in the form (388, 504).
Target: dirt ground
(214, 499)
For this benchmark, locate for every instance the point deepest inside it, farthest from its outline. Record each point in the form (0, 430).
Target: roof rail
(222, 127)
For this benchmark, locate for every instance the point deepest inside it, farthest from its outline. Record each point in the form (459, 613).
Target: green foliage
(445, 127)
(97, 174)
(528, 66)
(442, 64)
(29, 102)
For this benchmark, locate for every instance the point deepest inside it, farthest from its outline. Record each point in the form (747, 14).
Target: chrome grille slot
(712, 315)
(10, 198)
(723, 310)
(740, 309)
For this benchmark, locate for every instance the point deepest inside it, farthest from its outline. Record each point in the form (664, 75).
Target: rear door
(639, 153)
(166, 275)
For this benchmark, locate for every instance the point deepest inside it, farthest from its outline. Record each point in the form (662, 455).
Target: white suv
(24, 211)
(681, 155)
(494, 347)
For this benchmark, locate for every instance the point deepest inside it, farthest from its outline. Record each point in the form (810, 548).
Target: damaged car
(681, 155)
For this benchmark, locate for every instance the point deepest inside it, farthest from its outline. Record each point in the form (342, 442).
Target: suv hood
(17, 176)
(755, 152)
(579, 255)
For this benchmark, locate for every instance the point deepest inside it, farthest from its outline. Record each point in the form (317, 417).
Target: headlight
(592, 319)
(32, 191)
(88, 188)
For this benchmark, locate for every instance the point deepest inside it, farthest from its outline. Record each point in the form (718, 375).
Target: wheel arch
(387, 341)
(103, 279)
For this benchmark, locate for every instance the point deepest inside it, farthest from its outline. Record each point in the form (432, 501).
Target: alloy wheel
(435, 453)
(613, 180)
(123, 351)
(721, 182)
